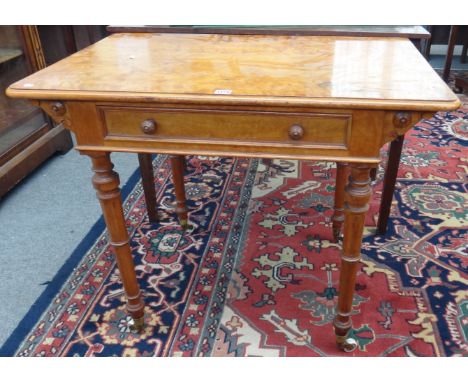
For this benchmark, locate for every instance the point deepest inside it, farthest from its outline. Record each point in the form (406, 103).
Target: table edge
(197, 99)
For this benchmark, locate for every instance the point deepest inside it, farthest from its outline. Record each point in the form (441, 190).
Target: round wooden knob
(401, 119)
(296, 132)
(404, 119)
(148, 126)
(58, 108)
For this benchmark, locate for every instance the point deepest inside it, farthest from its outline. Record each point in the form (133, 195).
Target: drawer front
(243, 128)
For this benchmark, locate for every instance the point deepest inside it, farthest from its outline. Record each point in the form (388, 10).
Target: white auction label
(223, 91)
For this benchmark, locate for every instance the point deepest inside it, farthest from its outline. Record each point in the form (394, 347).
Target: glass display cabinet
(27, 136)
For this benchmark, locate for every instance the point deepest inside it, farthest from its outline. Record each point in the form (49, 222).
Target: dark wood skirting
(12, 172)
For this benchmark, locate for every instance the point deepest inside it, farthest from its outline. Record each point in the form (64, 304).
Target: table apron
(343, 135)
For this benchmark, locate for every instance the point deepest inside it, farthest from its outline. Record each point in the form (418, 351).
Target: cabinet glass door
(20, 122)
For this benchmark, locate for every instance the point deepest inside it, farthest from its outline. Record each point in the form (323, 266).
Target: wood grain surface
(382, 73)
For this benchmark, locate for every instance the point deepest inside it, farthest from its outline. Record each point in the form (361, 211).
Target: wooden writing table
(301, 97)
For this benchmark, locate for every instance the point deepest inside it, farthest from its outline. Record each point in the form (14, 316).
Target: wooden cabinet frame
(33, 149)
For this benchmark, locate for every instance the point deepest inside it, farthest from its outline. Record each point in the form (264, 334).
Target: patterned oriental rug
(257, 274)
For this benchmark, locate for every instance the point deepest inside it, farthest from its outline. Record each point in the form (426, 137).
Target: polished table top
(354, 72)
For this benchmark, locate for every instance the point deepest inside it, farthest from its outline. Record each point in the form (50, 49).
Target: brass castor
(346, 344)
(185, 225)
(137, 324)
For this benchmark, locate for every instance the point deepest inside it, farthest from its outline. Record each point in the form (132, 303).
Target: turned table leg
(178, 168)
(106, 182)
(147, 179)
(357, 195)
(338, 214)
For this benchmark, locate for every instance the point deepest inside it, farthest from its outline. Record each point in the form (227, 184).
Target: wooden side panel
(367, 133)
(84, 121)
